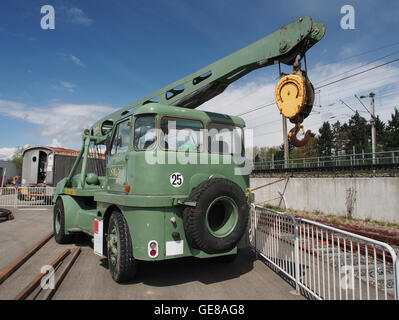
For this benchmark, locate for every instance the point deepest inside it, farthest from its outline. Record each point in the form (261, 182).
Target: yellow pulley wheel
(291, 95)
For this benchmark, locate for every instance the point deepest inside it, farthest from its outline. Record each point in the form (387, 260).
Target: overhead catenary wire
(344, 105)
(357, 73)
(257, 108)
(338, 80)
(348, 106)
(358, 67)
(364, 106)
(314, 111)
(340, 117)
(350, 76)
(329, 84)
(356, 85)
(367, 52)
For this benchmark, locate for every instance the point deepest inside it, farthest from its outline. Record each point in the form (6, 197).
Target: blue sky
(107, 54)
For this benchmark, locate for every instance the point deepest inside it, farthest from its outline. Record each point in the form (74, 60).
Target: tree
(381, 135)
(309, 150)
(325, 140)
(279, 155)
(340, 140)
(264, 153)
(392, 131)
(17, 158)
(359, 133)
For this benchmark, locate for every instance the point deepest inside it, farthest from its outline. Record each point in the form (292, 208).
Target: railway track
(389, 237)
(42, 276)
(351, 169)
(327, 256)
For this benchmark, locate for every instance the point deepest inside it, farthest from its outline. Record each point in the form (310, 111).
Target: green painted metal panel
(155, 224)
(152, 199)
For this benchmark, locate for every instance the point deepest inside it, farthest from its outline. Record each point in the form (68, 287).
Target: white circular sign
(176, 179)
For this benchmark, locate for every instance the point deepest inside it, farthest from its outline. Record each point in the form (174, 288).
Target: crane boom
(283, 45)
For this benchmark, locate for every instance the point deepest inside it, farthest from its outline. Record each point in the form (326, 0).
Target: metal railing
(325, 262)
(26, 196)
(357, 159)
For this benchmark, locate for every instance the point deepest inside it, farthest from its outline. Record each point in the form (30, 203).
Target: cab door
(117, 159)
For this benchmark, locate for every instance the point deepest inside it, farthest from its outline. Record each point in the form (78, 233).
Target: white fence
(26, 196)
(325, 262)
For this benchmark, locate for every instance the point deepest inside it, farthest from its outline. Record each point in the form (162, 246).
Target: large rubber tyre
(121, 262)
(220, 217)
(7, 214)
(59, 223)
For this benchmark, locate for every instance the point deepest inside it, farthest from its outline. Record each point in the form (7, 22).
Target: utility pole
(373, 128)
(285, 139)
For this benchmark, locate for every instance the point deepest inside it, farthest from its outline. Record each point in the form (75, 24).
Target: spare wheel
(220, 217)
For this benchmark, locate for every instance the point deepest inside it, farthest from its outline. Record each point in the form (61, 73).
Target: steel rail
(351, 234)
(391, 238)
(50, 293)
(360, 167)
(302, 230)
(378, 255)
(17, 264)
(33, 285)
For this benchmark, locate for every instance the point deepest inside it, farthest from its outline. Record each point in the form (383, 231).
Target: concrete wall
(10, 170)
(374, 198)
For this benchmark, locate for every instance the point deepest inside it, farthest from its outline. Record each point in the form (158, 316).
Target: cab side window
(145, 134)
(225, 138)
(121, 139)
(181, 134)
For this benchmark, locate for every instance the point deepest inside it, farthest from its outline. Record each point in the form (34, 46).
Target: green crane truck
(177, 179)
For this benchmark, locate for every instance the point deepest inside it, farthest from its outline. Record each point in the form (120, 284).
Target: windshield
(121, 139)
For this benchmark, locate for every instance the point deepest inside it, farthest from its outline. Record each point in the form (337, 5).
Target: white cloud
(68, 86)
(267, 121)
(55, 143)
(77, 16)
(77, 61)
(348, 51)
(62, 124)
(7, 153)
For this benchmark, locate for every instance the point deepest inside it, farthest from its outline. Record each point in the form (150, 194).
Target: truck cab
(161, 140)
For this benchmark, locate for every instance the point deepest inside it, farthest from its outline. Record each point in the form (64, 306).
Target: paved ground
(89, 278)
(21, 234)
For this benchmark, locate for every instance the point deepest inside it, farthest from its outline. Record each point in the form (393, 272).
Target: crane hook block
(294, 140)
(295, 96)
